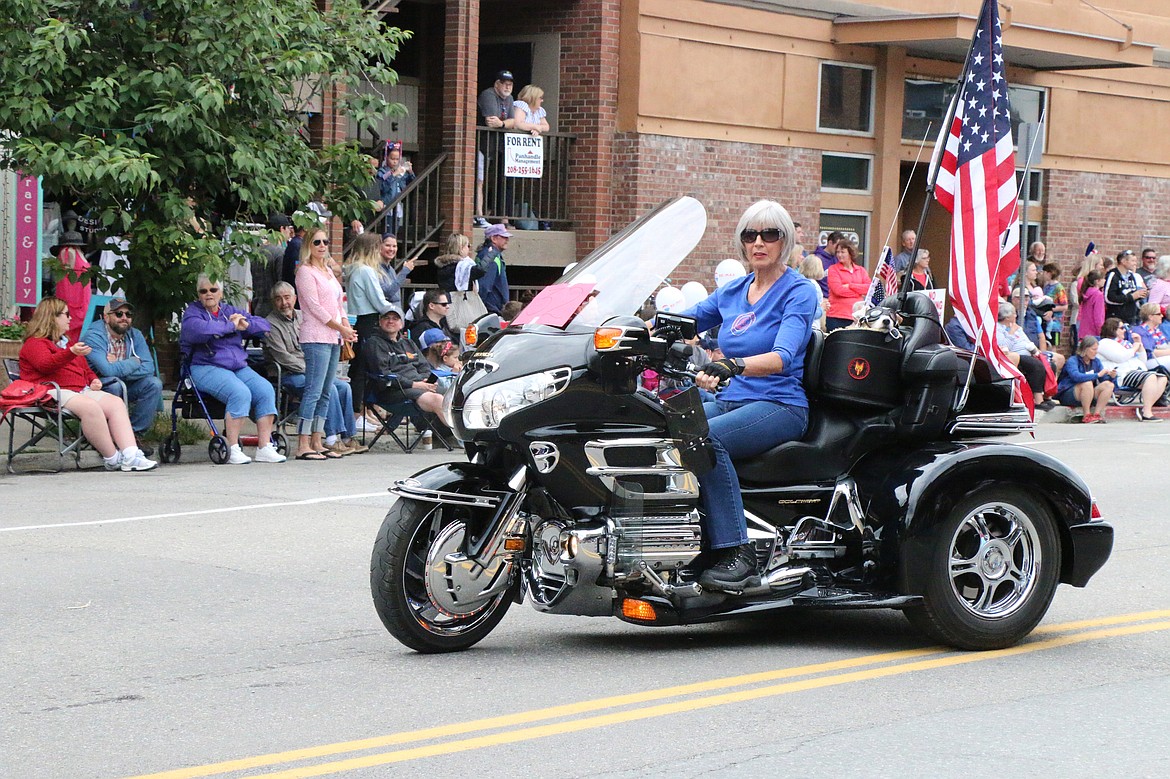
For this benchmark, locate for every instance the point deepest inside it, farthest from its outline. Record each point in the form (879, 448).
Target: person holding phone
(1086, 382)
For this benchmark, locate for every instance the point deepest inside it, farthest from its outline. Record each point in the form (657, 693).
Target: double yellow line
(514, 728)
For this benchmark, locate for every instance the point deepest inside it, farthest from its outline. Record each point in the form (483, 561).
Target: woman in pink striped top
(324, 326)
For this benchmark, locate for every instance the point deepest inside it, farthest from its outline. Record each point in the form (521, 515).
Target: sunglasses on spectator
(209, 290)
(770, 235)
(120, 314)
(442, 302)
(320, 241)
(1149, 256)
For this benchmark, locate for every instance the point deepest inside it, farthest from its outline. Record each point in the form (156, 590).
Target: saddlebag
(862, 368)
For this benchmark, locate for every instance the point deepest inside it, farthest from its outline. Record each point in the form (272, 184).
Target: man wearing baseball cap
(493, 287)
(119, 351)
(495, 109)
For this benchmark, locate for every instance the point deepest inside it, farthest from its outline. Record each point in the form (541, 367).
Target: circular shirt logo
(858, 368)
(743, 323)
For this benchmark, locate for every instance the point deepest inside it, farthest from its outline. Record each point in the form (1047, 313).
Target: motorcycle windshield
(617, 278)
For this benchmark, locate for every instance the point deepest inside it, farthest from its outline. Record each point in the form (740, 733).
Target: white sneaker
(427, 441)
(137, 463)
(114, 463)
(268, 454)
(236, 456)
(364, 425)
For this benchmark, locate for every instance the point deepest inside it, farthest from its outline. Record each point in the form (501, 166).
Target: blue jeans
(241, 391)
(320, 368)
(339, 416)
(740, 429)
(145, 400)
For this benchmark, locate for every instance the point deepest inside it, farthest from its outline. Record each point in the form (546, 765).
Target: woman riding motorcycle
(766, 316)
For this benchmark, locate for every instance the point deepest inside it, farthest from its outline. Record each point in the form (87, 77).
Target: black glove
(724, 369)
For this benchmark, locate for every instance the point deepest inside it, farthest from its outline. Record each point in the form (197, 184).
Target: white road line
(1046, 443)
(226, 510)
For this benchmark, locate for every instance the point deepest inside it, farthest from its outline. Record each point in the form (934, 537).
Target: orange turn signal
(513, 544)
(470, 335)
(607, 337)
(638, 609)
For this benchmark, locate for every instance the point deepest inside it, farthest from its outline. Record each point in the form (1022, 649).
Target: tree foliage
(134, 106)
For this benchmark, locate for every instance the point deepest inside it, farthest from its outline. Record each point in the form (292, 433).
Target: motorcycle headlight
(485, 407)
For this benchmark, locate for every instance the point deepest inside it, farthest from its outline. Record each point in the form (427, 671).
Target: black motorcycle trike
(580, 492)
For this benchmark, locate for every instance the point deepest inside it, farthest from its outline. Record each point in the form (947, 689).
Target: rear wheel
(989, 572)
(426, 595)
(280, 441)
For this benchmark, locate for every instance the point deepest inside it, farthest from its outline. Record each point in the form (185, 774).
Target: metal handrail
(419, 201)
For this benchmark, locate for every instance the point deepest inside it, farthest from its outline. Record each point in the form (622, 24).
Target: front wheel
(427, 596)
(989, 571)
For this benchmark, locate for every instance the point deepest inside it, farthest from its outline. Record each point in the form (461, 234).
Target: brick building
(821, 104)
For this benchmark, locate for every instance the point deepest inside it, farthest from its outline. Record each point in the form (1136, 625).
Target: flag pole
(940, 149)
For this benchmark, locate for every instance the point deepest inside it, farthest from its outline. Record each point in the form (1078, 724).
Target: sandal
(329, 454)
(310, 455)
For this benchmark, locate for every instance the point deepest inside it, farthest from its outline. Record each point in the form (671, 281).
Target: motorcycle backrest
(812, 361)
(922, 318)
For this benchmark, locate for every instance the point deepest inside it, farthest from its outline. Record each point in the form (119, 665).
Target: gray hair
(1006, 309)
(764, 214)
(1086, 343)
(1162, 269)
(281, 287)
(205, 279)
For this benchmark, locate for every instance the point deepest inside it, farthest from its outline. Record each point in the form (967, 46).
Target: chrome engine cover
(665, 542)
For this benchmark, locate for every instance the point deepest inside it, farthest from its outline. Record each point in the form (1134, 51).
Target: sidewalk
(1114, 413)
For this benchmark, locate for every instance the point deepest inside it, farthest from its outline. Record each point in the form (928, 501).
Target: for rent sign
(523, 156)
(28, 240)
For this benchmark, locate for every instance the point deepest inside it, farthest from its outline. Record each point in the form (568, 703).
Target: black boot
(733, 571)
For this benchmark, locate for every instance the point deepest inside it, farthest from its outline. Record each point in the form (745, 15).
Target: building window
(846, 99)
(925, 106)
(846, 172)
(1035, 184)
(855, 225)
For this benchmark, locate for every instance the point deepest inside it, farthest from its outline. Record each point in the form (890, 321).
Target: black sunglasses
(320, 241)
(442, 302)
(120, 314)
(770, 235)
(210, 290)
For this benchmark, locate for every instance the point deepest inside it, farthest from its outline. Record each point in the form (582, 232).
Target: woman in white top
(528, 110)
(1123, 350)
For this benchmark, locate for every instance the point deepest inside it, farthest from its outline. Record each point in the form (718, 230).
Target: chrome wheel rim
(995, 561)
(417, 579)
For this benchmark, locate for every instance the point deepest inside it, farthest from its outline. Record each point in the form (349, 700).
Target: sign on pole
(523, 156)
(28, 240)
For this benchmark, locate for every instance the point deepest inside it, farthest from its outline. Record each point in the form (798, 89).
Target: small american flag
(977, 184)
(885, 279)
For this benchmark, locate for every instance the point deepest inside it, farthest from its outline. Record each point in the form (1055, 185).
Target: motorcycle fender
(909, 495)
(490, 504)
(460, 484)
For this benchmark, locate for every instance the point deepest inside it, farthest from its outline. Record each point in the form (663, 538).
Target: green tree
(150, 112)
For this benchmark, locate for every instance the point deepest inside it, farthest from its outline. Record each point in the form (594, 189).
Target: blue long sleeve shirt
(1076, 372)
(493, 287)
(779, 322)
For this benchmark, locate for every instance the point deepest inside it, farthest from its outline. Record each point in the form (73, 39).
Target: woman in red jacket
(848, 284)
(104, 418)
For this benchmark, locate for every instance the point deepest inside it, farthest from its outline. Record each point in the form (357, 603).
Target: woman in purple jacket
(212, 338)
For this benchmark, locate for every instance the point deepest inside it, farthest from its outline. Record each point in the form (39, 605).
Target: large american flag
(977, 184)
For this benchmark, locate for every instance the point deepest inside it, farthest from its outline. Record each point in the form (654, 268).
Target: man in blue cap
(493, 287)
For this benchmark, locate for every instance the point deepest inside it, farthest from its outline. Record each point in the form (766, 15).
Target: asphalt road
(216, 621)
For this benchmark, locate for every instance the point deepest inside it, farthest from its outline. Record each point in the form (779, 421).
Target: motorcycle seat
(835, 439)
